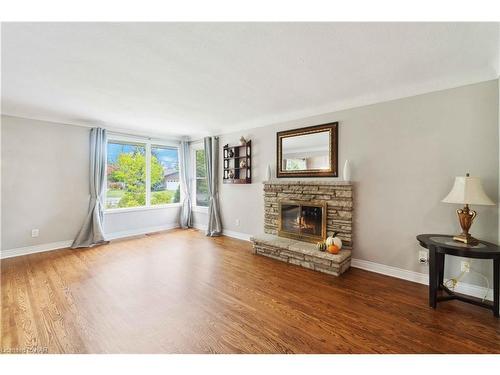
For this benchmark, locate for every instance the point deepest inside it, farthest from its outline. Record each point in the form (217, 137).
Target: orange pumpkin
(333, 249)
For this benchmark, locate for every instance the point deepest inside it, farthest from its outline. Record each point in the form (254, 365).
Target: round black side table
(440, 245)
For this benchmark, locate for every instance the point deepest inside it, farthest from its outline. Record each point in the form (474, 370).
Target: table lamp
(467, 190)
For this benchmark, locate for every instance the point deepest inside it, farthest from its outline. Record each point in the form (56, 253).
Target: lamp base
(466, 239)
(466, 217)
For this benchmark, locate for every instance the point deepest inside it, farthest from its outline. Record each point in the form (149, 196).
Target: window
(165, 186)
(126, 175)
(141, 175)
(201, 184)
(295, 164)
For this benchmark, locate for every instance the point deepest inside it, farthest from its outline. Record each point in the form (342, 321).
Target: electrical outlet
(464, 266)
(35, 233)
(422, 256)
(237, 222)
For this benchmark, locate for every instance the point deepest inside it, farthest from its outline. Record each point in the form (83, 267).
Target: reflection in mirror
(306, 152)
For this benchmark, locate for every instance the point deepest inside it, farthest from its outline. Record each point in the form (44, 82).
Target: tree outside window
(126, 175)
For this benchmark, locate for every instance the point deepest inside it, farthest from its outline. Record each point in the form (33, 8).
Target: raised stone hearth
(301, 253)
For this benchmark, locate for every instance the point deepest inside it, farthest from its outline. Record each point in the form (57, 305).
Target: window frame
(196, 147)
(148, 144)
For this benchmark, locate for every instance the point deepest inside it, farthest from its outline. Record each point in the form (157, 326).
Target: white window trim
(148, 144)
(111, 211)
(195, 147)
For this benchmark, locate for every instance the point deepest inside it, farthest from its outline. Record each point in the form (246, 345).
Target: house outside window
(165, 185)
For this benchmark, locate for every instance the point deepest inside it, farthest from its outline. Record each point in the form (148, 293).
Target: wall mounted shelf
(233, 170)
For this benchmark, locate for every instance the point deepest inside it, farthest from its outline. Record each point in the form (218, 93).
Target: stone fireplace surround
(338, 196)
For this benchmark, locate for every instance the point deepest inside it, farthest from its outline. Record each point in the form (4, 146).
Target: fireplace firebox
(302, 220)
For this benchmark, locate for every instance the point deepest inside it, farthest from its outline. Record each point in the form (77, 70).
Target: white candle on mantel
(268, 173)
(346, 172)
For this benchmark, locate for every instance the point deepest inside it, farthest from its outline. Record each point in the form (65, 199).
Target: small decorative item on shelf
(230, 174)
(243, 141)
(321, 246)
(230, 152)
(243, 163)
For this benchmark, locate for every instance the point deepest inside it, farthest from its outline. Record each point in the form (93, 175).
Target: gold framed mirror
(308, 152)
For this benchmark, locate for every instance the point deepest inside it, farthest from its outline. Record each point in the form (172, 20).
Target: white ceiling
(208, 78)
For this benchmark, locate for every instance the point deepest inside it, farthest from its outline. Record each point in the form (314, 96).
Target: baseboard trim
(238, 235)
(26, 250)
(383, 269)
(201, 227)
(10, 253)
(421, 278)
(475, 291)
(139, 232)
(225, 232)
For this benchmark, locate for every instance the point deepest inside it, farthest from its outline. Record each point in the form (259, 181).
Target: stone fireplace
(302, 220)
(300, 213)
(336, 195)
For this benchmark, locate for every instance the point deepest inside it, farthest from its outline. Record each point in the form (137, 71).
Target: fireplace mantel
(307, 182)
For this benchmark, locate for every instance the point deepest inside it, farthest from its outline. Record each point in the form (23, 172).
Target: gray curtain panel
(212, 163)
(92, 230)
(186, 219)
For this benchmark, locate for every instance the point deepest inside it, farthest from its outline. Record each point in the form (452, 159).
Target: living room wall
(45, 185)
(404, 156)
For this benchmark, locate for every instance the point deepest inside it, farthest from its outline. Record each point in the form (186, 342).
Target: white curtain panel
(92, 232)
(186, 217)
(211, 144)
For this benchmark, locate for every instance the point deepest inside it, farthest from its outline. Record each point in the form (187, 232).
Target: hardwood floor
(181, 292)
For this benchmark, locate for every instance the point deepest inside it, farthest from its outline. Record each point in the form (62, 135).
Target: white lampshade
(468, 190)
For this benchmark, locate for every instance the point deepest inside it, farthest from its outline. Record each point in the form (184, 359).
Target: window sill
(142, 208)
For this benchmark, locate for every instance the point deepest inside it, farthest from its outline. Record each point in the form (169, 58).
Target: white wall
(404, 155)
(122, 224)
(45, 185)
(44, 181)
